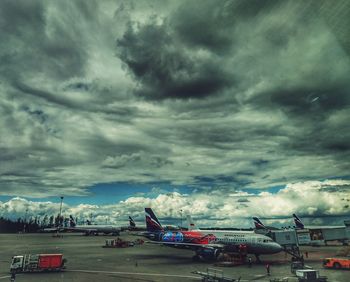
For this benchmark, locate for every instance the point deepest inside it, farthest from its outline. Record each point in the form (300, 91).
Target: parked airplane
(258, 224)
(300, 225)
(91, 229)
(208, 244)
(261, 227)
(323, 234)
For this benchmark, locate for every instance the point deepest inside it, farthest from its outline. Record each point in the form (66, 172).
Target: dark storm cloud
(312, 102)
(219, 95)
(30, 46)
(164, 66)
(211, 26)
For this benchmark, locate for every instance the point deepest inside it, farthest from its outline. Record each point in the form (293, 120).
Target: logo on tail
(152, 222)
(72, 221)
(298, 222)
(258, 224)
(191, 224)
(132, 223)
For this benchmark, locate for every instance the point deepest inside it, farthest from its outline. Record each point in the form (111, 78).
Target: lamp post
(181, 220)
(25, 221)
(60, 210)
(59, 217)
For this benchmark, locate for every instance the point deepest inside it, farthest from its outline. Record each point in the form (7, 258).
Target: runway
(88, 261)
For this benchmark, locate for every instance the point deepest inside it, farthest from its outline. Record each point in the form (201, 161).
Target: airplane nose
(277, 248)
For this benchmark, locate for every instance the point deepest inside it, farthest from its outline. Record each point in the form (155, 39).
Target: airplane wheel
(196, 258)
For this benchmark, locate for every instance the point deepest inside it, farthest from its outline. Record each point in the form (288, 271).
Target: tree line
(31, 225)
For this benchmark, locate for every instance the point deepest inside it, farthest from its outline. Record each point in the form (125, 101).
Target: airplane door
(253, 240)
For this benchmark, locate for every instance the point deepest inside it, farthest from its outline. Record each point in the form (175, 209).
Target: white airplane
(208, 244)
(91, 229)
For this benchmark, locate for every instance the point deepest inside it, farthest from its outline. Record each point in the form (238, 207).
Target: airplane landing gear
(257, 258)
(196, 258)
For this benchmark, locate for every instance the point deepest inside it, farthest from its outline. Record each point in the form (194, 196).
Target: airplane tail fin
(152, 222)
(258, 224)
(191, 224)
(72, 221)
(298, 222)
(347, 223)
(132, 223)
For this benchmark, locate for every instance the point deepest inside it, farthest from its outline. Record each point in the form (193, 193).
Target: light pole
(61, 209)
(181, 220)
(25, 221)
(59, 217)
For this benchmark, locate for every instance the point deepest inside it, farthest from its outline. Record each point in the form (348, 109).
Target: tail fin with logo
(258, 224)
(298, 222)
(191, 224)
(152, 222)
(72, 221)
(132, 223)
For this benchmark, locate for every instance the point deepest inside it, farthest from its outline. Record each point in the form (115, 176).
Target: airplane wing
(83, 229)
(188, 245)
(53, 229)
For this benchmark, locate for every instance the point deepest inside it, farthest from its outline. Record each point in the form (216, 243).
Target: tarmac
(88, 261)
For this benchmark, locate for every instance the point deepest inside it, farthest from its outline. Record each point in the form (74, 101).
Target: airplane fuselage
(95, 229)
(225, 240)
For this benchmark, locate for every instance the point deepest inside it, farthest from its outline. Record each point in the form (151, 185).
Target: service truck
(37, 263)
(309, 275)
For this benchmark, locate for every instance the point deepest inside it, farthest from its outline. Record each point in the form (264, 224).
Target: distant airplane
(300, 225)
(91, 229)
(208, 244)
(261, 227)
(132, 223)
(258, 224)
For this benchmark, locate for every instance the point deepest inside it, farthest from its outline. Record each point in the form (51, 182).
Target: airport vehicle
(37, 263)
(337, 263)
(214, 275)
(208, 244)
(309, 275)
(118, 243)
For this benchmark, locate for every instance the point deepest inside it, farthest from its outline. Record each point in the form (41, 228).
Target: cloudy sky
(225, 109)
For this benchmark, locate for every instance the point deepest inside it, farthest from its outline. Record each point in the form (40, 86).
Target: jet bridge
(289, 240)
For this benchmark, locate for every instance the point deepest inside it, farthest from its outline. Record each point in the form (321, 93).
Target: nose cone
(276, 248)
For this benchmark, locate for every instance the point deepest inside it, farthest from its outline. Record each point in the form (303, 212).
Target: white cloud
(306, 198)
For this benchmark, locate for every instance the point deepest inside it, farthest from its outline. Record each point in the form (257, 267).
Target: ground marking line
(136, 273)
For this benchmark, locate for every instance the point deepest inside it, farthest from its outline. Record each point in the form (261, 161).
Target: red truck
(337, 262)
(37, 263)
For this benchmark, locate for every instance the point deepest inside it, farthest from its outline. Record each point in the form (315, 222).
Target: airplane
(132, 224)
(258, 224)
(300, 225)
(319, 234)
(261, 227)
(90, 229)
(209, 244)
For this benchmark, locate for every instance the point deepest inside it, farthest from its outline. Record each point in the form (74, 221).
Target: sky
(222, 109)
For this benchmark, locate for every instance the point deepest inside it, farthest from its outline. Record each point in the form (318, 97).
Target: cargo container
(37, 263)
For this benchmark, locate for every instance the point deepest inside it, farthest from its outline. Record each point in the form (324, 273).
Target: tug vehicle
(337, 263)
(37, 263)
